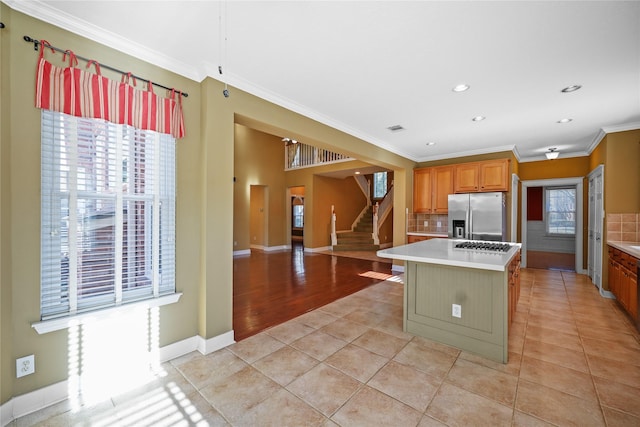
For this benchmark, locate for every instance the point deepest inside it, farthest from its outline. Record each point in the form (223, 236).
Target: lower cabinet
(514, 286)
(623, 280)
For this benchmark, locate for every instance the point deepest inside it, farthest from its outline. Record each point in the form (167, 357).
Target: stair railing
(334, 235)
(380, 213)
(363, 212)
(365, 187)
(375, 233)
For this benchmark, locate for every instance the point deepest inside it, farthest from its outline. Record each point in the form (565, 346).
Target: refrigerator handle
(467, 229)
(470, 228)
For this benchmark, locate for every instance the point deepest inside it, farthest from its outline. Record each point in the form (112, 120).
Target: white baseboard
(215, 343)
(398, 268)
(242, 252)
(270, 248)
(320, 249)
(46, 396)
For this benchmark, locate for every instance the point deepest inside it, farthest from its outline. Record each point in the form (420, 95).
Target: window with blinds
(108, 214)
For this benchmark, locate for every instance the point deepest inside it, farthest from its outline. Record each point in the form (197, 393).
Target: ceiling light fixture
(461, 88)
(571, 88)
(478, 118)
(565, 120)
(289, 141)
(395, 128)
(430, 144)
(552, 153)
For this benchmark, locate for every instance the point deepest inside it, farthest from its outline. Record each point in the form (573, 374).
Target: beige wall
(6, 311)
(21, 203)
(205, 201)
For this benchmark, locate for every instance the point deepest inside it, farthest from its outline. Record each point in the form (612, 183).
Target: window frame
(547, 211)
(375, 186)
(63, 139)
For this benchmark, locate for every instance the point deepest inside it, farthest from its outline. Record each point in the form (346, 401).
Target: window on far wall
(107, 215)
(379, 185)
(298, 216)
(560, 211)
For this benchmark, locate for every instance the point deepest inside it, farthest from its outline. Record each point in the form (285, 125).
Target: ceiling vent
(395, 128)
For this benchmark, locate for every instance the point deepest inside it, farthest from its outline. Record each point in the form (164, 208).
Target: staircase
(360, 238)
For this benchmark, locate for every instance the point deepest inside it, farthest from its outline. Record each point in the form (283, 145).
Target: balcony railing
(301, 155)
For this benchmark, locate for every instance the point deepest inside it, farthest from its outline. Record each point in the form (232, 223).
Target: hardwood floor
(551, 260)
(271, 288)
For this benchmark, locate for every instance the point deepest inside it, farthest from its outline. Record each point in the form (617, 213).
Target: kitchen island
(461, 297)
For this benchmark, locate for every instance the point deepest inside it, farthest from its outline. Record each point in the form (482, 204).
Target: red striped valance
(81, 93)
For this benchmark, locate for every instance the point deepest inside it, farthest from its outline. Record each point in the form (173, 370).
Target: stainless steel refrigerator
(478, 216)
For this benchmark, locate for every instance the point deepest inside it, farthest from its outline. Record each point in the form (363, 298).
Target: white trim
(515, 179)
(563, 155)
(269, 248)
(216, 343)
(41, 398)
(242, 252)
(320, 249)
(57, 324)
(488, 150)
(397, 268)
(578, 182)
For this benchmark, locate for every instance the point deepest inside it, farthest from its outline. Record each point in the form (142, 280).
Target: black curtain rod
(37, 42)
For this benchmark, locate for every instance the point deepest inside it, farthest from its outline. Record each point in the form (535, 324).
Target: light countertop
(632, 248)
(443, 251)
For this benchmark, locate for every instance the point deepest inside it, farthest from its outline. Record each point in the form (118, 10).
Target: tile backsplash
(416, 221)
(623, 227)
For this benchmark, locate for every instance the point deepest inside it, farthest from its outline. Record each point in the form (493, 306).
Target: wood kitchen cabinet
(422, 195)
(623, 280)
(431, 189)
(514, 286)
(490, 175)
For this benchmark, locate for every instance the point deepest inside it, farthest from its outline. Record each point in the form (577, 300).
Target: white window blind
(108, 214)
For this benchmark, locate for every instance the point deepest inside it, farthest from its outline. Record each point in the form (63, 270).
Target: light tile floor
(574, 361)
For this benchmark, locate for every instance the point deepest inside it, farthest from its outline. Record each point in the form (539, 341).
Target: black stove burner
(485, 246)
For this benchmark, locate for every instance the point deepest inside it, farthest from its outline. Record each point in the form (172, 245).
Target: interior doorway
(530, 235)
(296, 215)
(258, 217)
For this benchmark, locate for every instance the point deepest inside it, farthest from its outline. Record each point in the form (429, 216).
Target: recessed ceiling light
(357, 172)
(461, 88)
(395, 128)
(478, 118)
(571, 88)
(565, 120)
(430, 144)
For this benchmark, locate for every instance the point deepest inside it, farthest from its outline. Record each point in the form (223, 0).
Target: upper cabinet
(442, 187)
(422, 197)
(432, 185)
(431, 189)
(490, 175)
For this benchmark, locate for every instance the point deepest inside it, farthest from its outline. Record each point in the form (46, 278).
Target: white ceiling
(363, 66)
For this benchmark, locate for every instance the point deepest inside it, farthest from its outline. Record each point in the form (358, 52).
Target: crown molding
(42, 11)
(487, 150)
(563, 155)
(602, 132)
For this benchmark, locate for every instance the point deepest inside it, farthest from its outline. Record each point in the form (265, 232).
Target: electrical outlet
(456, 310)
(439, 223)
(426, 223)
(25, 366)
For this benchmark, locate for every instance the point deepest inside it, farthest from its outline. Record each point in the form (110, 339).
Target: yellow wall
(258, 160)
(622, 172)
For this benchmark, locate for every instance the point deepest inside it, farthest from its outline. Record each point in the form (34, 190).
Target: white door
(596, 223)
